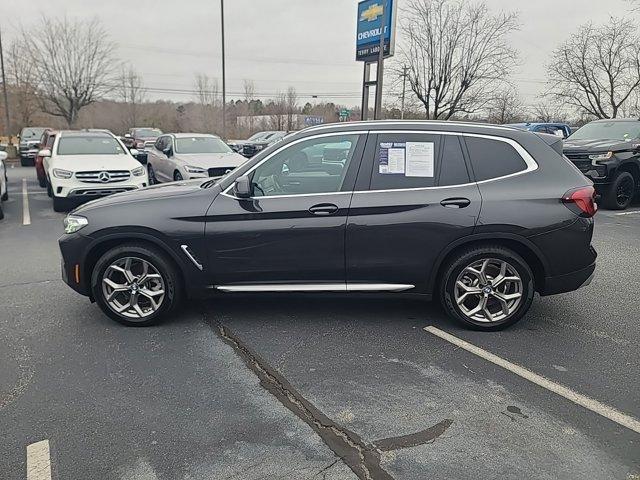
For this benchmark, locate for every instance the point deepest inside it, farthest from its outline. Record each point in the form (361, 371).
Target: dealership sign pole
(375, 41)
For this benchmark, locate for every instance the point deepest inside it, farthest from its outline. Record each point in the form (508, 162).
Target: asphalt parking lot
(300, 387)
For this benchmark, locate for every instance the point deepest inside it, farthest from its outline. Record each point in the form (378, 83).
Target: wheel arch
(633, 167)
(521, 245)
(106, 243)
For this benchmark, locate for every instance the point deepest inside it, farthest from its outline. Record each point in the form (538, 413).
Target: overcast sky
(308, 44)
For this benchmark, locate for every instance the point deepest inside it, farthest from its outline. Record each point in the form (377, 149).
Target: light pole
(224, 77)
(4, 88)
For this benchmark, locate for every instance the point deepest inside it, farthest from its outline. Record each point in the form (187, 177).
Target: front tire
(620, 193)
(61, 204)
(487, 288)
(136, 285)
(177, 176)
(152, 175)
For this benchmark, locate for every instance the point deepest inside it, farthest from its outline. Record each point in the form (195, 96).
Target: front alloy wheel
(133, 288)
(136, 284)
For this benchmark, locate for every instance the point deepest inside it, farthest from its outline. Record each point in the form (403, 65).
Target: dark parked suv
(480, 217)
(608, 152)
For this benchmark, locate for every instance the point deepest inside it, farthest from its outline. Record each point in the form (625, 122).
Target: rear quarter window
(493, 158)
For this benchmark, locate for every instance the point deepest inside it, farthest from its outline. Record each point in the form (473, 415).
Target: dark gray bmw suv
(478, 216)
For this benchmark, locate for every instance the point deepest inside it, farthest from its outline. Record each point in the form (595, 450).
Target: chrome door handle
(455, 202)
(323, 209)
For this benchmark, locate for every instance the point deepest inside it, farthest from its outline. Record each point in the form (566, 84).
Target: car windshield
(608, 131)
(89, 145)
(257, 136)
(201, 145)
(34, 133)
(147, 132)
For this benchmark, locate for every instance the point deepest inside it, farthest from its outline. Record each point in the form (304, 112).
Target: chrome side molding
(317, 287)
(191, 256)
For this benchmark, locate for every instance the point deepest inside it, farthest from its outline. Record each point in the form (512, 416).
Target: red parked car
(46, 141)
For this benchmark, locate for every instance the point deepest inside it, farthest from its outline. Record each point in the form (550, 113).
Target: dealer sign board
(370, 18)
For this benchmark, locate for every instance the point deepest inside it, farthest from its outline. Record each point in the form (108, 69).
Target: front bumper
(71, 188)
(72, 248)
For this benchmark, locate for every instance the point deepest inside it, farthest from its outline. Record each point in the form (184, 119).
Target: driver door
(290, 235)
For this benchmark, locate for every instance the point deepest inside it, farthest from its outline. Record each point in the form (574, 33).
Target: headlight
(60, 173)
(195, 169)
(73, 223)
(138, 172)
(601, 156)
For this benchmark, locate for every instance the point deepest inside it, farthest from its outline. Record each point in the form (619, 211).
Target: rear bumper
(568, 282)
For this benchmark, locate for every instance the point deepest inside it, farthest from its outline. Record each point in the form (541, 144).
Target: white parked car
(84, 165)
(4, 194)
(182, 156)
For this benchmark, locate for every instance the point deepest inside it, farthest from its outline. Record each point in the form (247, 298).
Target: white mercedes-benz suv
(84, 165)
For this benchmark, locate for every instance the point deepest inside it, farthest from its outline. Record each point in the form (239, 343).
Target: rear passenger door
(413, 197)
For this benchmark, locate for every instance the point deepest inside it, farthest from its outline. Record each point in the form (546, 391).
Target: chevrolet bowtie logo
(371, 13)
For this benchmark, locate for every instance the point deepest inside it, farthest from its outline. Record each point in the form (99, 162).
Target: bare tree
(277, 109)
(208, 94)
(131, 91)
(548, 112)
(292, 106)
(597, 69)
(73, 61)
(249, 94)
(456, 53)
(23, 80)
(505, 107)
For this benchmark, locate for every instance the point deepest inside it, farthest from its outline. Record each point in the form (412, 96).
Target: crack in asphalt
(363, 459)
(23, 284)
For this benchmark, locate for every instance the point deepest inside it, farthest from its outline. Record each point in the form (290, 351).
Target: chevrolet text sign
(370, 16)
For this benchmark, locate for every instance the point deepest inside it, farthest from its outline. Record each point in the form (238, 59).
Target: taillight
(581, 201)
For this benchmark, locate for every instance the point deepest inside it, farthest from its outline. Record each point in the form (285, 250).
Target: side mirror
(168, 152)
(134, 152)
(44, 153)
(127, 135)
(242, 187)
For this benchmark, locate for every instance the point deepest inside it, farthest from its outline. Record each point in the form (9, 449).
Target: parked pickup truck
(608, 153)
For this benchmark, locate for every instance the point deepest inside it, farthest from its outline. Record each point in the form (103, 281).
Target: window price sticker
(411, 159)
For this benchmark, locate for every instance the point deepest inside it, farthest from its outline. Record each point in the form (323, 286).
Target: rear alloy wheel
(488, 288)
(177, 176)
(620, 193)
(152, 175)
(135, 285)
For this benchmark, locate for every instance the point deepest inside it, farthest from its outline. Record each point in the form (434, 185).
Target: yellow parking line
(582, 400)
(26, 217)
(39, 461)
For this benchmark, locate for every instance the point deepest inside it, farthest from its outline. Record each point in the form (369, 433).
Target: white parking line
(635, 212)
(38, 461)
(586, 402)
(26, 217)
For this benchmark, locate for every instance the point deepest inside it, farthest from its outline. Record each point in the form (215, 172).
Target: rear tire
(177, 176)
(620, 193)
(501, 303)
(42, 182)
(1, 212)
(169, 281)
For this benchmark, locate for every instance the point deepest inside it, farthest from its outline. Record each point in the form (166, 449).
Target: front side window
(317, 165)
(89, 145)
(493, 158)
(50, 141)
(201, 145)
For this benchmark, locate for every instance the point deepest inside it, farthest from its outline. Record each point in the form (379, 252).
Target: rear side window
(418, 160)
(493, 158)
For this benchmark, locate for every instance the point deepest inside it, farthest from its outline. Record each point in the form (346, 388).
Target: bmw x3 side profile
(478, 217)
